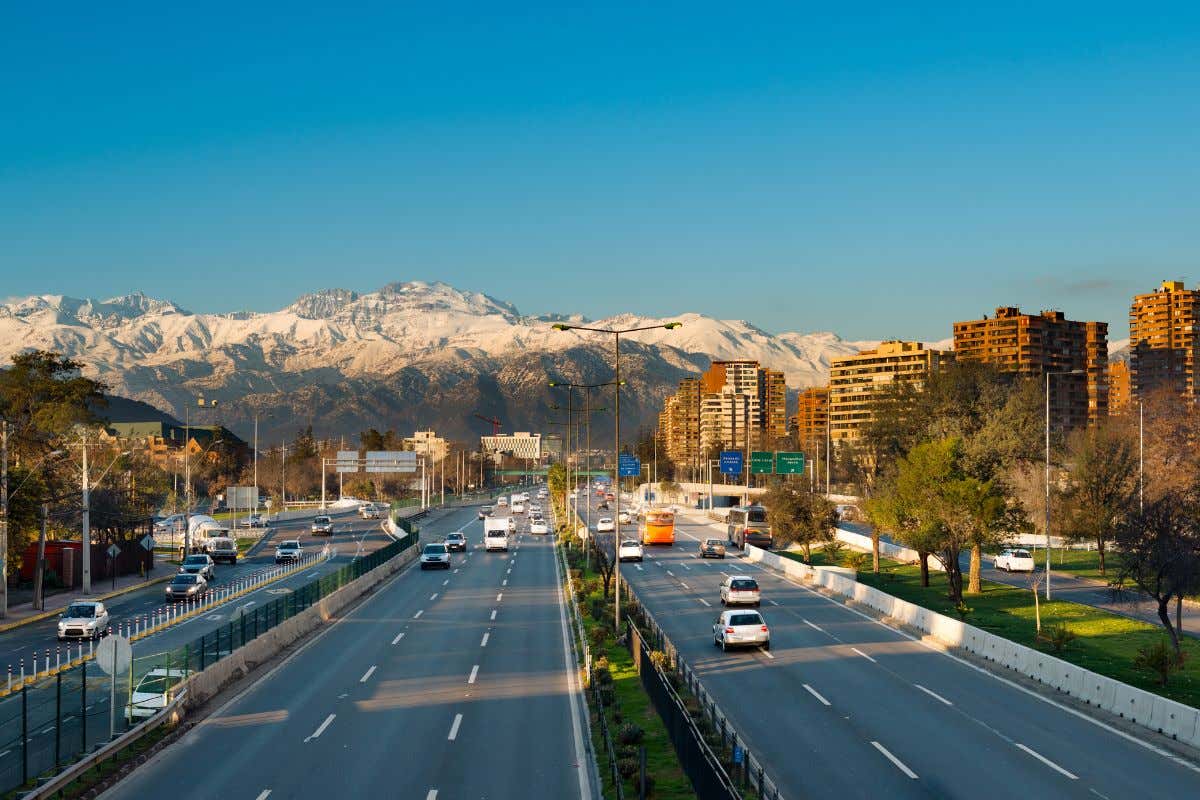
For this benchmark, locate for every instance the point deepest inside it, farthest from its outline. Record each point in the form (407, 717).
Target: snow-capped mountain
(408, 354)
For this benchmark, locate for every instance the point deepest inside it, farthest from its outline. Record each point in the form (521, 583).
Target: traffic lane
(808, 750)
(1019, 718)
(267, 737)
(843, 697)
(523, 689)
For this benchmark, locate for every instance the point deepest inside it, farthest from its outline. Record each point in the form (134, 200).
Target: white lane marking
(702, 600)
(446, 582)
(263, 795)
(817, 695)
(432, 795)
(456, 570)
(321, 729)
(247, 605)
(484, 640)
(899, 764)
(367, 675)
(454, 728)
(772, 602)
(433, 596)
(672, 574)
(474, 672)
(864, 655)
(499, 596)
(767, 653)
(493, 613)
(418, 614)
(508, 571)
(1046, 761)
(639, 567)
(685, 566)
(399, 636)
(311, 574)
(814, 627)
(504, 582)
(933, 694)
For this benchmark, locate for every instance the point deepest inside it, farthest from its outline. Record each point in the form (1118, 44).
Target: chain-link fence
(50, 723)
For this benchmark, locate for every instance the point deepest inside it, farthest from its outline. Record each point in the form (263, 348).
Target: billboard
(241, 496)
(347, 461)
(391, 461)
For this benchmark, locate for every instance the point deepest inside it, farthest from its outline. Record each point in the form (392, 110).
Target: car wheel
(767, 645)
(724, 647)
(723, 601)
(716, 642)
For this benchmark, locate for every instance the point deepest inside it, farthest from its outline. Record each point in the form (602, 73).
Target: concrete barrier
(1180, 722)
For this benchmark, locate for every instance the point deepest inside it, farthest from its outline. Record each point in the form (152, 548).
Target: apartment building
(1163, 343)
(1118, 387)
(857, 382)
(679, 424)
(428, 444)
(809, 424)
(1035, 344)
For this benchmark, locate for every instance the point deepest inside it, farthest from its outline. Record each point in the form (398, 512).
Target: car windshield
(435, 548)
(323, 520)
(80, 611)
(184, 580)
(195, 560)
(714, 542)
(629, 543)
(744, 585)
(1020, 553)
(745, 619)
(156, 684)
(289, 545)
(455, 536)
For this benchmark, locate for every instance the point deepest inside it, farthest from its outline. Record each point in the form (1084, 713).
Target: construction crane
(495, 423)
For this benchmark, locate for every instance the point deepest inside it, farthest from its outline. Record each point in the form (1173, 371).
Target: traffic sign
(629, 466)
(762, 462)
(789, 463)
(148, 542)
(732, 462)
(113, 551)
(114, 654)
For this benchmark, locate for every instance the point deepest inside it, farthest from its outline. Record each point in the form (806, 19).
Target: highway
(844, 706)
(441, 684)
(352, 537)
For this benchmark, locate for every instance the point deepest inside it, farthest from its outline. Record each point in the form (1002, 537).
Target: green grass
(1106, 643)
(634, 706)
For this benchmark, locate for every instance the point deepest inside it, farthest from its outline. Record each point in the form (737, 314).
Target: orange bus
(659, 527)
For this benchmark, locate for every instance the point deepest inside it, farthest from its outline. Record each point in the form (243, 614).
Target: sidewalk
(22, 612)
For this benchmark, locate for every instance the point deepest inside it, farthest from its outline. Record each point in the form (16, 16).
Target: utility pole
(256, 462)
(3, 518)
(40, 568)
(1141, 458)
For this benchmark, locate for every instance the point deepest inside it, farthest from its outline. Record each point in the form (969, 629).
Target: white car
(630, 550)
(518, 507)
(1014, 561)
(253, 521)
(605, 525)
(741, 628)
(539, 526)
(368, 511)
(288, 551)
(152, 691)
(740, 590)
(502, 502)
(512, 524)
(624, 517)
(172, 524)
(83, 619)
(434, 555)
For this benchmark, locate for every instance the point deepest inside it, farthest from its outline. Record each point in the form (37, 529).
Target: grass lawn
(1106, 643)
(634, 705)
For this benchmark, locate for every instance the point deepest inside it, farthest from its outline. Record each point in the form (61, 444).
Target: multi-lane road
(352, 538)
(844, 706)
(441, 684)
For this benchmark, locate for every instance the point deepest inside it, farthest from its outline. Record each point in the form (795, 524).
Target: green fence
(47, 725)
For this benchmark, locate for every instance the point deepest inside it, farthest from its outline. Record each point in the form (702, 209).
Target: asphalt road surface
(442, 684)
(844, 706)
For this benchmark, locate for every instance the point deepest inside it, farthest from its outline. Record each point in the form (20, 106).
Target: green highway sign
(789, 463)
(762, 462)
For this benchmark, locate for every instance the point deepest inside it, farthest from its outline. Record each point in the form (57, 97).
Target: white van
(502, 502)
(495, 533)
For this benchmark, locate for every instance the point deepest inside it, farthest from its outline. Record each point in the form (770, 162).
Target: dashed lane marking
(367, 675)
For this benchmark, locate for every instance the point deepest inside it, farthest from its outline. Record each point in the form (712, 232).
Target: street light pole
(1141, 458)
(86, 530)
(3, 518)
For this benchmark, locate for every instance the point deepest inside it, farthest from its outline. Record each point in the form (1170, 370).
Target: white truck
(495, 533)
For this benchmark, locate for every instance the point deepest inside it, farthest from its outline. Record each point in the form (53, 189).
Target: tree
(1160, 553)
(43, 397)
(1103, 485)
(799, 517)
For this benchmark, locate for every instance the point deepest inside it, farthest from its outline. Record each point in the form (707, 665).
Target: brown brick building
(1034, 344)
(1118, 387)
(857, 382)
(811, 421)
(1163, 343)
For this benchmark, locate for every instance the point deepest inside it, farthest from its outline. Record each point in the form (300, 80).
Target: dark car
(185, 587)
(603, 506)
(199, 564)
(456, 541)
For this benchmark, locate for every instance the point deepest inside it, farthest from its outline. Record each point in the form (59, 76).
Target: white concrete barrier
(1180, 722)
(895, 552)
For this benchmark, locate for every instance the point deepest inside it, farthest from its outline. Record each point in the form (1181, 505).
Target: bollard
(47, 660)
(89, 648)
(34, 673)
(10, 677)
(22, 672)
(58, 658)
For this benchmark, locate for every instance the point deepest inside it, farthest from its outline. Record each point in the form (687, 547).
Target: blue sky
(879, 170)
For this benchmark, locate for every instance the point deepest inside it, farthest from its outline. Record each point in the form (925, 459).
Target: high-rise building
(1034, 344)
(772, 391)
(1163, 342)
(857, 382)
(679, 425)
(1118, 387)
(811, 420)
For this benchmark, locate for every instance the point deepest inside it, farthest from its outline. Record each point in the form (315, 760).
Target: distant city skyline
(878, 175)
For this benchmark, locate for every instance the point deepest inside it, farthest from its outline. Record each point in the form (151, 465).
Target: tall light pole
(187, 473)
(616, 334)
(1141, 458)
(1047, 518)
(587, 420)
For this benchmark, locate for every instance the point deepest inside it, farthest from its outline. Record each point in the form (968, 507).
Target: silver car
(83, 619)
(741, 629)
(435, 555)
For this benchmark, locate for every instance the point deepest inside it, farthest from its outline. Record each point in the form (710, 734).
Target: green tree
(798, 516)
(1102, 461)
(43, 396)
(1160, 553)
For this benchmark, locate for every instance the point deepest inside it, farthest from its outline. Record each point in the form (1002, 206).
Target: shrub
(608, 695)
(1158, 658)
(963, 610)
(1058, 637)
(630, 734)
(602, 676)
(659, 659)
(628, 767)
(627, 751)
(834, 550)
(855, 561)
(598, 636)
